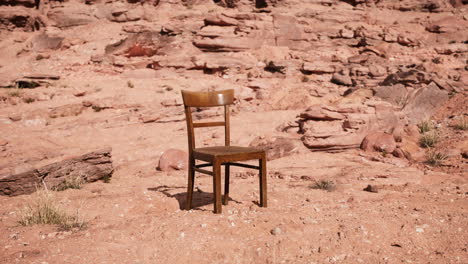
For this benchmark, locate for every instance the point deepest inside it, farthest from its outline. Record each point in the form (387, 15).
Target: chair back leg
(191, 180)
(217, 186)
(263, 181)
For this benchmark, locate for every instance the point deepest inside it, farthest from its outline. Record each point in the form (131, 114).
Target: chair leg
(263, 181)
(191, 180)
(226, 184)
(217, 186)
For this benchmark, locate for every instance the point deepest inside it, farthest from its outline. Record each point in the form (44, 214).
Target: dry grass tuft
(435, 158)
(425, 126)
(462, 124)
(44, 209)
(70, 183)
(324, 185)
(428, 140)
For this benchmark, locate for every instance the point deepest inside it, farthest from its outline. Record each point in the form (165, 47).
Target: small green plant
(462, 124)
(324, 185)
(428, 140)
(14, 93)
(425, 126)
(435, 158)
(130, 84)
(44, 209)
(70, 183)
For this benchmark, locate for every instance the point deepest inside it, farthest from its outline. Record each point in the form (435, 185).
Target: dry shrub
(44, 209)
(462, 124)
(428, 140)
(324, 185)
(435, 158)
(425, 126)
(70, 183)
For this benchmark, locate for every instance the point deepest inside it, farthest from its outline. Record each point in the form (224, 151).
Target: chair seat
(227, 153)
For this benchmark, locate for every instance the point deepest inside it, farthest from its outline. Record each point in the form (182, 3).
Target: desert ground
(361, 106)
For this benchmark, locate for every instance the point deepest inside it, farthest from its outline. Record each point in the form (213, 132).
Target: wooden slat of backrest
(208, 124)
(207, 99)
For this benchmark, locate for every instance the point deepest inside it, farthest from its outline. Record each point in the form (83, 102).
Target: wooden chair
(217, 156)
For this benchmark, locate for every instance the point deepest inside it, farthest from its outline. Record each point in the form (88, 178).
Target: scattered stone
(173, 159)
(15, 116)
(379, 141)
(275, 231)
(342, 79)
(371, 188)
(317, 68)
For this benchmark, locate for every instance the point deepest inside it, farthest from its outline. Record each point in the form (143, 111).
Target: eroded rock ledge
(90, 167)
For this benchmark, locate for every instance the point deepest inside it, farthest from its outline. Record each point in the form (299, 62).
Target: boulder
(173, 159)
(90, 167)
(321, 112)
(44, 42)
(448, 24)
(379, 141)
(408, 78)
(317, 68)
(423, 102)
(395, 94)
(71, 16)
(123, 13)
(140, 44)
(342, 79)
(339, 127)
(277, 147)
(12, 18)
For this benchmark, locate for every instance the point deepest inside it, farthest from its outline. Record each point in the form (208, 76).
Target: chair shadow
(199, 198)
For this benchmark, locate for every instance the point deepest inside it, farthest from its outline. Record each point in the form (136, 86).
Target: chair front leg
(191, 180)
(217, 186)
(226, 184)
(263, 181)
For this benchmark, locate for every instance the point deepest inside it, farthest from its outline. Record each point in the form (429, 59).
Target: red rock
(71, 16)
(66, 110)
(449, 24)
(342, 79)
(277, 147)
(320, 112)
(220, 20)
(378, 141)
(91, 167)
(173, 159)
(44, 42)
(423, 102)
(318, 68)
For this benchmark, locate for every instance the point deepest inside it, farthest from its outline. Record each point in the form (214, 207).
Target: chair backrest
(207, 99)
